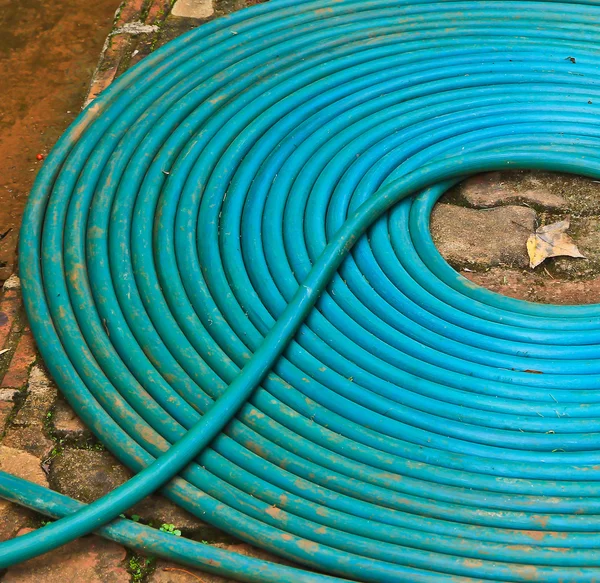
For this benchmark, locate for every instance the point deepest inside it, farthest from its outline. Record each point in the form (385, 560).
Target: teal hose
(227, 267)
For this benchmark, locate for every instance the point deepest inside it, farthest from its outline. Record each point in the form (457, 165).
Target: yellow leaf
(551, 241)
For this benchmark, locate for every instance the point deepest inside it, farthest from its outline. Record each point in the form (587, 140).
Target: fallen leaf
(551, 241)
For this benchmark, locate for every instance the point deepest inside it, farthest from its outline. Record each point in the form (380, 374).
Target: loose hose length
(186, 223)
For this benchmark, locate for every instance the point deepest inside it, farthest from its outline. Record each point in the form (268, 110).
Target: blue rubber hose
(227, 267)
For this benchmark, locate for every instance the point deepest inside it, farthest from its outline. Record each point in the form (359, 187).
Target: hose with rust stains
(230, 279)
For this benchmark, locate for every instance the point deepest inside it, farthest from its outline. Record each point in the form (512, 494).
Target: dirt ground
(482, 226)
(48, 52)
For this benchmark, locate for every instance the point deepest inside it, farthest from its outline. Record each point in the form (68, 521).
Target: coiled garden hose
(227, 266)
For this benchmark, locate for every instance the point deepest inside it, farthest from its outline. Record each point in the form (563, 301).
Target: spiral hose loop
(224, 252)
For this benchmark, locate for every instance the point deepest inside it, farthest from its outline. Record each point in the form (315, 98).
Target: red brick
(86, 560)
(158, 11)
(131, 11)
(100, 82)
(21, 362)
(111, 57)
(9, 308)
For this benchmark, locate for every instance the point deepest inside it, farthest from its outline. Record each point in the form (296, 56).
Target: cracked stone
(581, 194)
(490, 190)
(483, 238)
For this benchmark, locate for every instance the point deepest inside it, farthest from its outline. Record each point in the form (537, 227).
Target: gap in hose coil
(481, 228)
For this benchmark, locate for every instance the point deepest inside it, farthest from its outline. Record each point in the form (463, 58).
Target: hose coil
(242, 200)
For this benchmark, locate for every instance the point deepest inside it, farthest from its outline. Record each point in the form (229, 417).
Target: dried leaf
(551, 241)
